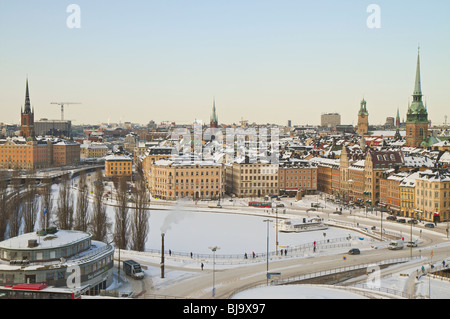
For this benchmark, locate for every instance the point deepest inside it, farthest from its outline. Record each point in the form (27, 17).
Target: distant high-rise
(363, 119)
(27, 117)
(330, 120)
(417, 115)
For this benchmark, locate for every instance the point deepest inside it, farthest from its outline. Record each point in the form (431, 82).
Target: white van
(396, 245)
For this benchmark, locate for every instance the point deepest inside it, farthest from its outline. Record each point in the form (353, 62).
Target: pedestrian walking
(202, 266)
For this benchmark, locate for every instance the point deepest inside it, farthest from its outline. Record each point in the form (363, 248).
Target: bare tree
(82, 212)
(29, 204)
(64, 212)
(14, 206)
(122, 220)
(3, 205)
(139, 221)
(46, 203)
(99, 225)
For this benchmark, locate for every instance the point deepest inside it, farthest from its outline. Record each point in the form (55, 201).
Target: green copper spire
(417, 106)
(363, 108)
(418, 86)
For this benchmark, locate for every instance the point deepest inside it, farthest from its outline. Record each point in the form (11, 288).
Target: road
(239, 277)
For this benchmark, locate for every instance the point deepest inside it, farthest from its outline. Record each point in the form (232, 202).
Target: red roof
(29, 286)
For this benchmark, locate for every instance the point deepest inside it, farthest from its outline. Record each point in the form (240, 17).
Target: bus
(39, 291)
(260, 204)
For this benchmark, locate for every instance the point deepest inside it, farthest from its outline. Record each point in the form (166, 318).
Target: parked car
(430, 225)
(401, 220)
(412, 221)
(391, 218)
(354, 251)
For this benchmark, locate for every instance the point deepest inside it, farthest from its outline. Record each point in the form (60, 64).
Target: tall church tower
(27, 117)
(214, 123)
(417, 115)
(363, 119)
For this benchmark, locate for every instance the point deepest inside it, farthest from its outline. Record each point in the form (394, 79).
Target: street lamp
(214, 249)
(267, 253)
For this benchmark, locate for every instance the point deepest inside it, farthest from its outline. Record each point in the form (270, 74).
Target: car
(354, 251)
(401, 220)
(413, 221)
(391, 218)
(430, 225)
(411, 244)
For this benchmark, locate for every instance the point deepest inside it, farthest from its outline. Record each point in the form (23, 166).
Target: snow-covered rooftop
(60, 238)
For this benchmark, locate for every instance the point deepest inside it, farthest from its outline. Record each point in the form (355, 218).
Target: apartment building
(328, 175)
(30, 154)
(375, 163)
(93, 150)
(432, 195)
(245, 178)
(118, 166)
(172, 179)
(297, 175)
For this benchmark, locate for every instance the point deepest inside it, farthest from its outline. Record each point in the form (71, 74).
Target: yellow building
(407, 195)
(177, 178)
(252, 179)
(30, 154)
(432, 195)
(93, 150)
(118, 166)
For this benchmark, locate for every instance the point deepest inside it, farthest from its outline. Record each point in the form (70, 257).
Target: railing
(286, 252)
(386, 290)
(338, 270)
(297, 278)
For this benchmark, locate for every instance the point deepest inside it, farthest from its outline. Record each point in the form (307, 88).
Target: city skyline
(262, 61)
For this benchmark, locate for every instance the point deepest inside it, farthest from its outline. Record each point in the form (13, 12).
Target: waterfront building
(180, 177)
(54, 257)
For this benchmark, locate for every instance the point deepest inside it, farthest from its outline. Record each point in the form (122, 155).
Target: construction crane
(62, 107)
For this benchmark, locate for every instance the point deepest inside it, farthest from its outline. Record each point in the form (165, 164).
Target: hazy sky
(264, 61)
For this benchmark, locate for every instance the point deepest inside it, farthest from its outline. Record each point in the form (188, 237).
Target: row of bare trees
(19, 207)
(131, 231)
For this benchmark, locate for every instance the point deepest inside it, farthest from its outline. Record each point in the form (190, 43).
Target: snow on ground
(190, 228)
(297, 292)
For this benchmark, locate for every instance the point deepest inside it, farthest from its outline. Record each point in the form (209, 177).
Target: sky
(265, 61)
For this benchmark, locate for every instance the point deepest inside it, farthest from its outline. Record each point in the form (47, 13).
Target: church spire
(214, 120)
(418, 85)
(27, 100)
